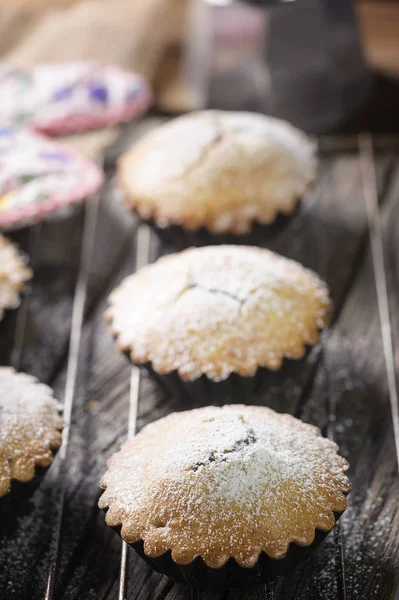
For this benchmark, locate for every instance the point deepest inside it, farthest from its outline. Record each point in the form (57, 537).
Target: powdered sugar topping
(221, 482)
(217, 310)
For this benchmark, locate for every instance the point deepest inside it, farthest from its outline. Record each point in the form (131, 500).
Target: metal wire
(370, 192)
(269, 592)
(79, 302)
(350, 143)
(142, 258)
(339, 555)
(20, 325)
(339, 547)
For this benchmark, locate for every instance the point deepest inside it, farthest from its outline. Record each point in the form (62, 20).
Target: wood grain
(341, 387)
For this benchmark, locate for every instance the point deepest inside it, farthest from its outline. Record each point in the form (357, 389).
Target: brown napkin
(131, 33)
(37, 5)
(142, 35)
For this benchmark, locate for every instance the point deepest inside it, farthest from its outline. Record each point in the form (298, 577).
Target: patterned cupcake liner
(52, 178)
(71, 97)
(178, 238)
(81, 123)
(231, 575)
(54, 209)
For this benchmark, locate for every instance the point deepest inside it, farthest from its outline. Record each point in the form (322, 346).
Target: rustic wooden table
(54, 542)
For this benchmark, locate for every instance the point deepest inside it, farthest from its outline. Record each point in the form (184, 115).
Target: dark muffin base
(198, 575)
(17, 502)
(178, 238)
(235, 389)
(203, 391)
(21, 491)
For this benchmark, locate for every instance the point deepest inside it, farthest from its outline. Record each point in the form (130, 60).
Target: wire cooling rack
(364, 146)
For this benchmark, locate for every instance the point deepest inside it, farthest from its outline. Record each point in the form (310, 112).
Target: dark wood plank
(355, 210)
(352, 375)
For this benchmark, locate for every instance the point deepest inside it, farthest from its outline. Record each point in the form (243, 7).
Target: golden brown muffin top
(217, 310)
(220, 170)
(13, 274)
(225, 482)
(29, 426)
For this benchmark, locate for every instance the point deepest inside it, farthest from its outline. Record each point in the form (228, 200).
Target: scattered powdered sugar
(221, 482)
(13, 274)
(29, 426)
(217, 310)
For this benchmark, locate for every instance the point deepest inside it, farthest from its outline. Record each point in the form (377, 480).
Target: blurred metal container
(300, 60)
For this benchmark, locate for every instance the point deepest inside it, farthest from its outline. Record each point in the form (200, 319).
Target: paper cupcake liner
(235, 389)
(60, 213)
(72, 97)
(260, 235)
(53, 210)
(81, 123)
(19, 492)
(231, 575)
(203, 391)
(16, 502)
(58, 201)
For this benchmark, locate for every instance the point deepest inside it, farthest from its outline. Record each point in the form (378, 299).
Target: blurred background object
(299, 60)
(379, 23)
(149, 36)
(123, 32)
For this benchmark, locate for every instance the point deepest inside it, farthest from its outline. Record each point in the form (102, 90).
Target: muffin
(14, 273)
(212, 323)
(30, 427)
(225, 497)
(214, 176)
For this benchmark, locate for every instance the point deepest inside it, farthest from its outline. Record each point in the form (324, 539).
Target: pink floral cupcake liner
(40, 178)
(67, 98)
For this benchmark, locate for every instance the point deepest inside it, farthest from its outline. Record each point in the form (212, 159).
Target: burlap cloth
(145, 36)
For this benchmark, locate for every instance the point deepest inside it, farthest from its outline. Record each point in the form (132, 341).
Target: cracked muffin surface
(14, 273)
(30, 427)
(218, 310)
(225, 482)
(218, 170)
